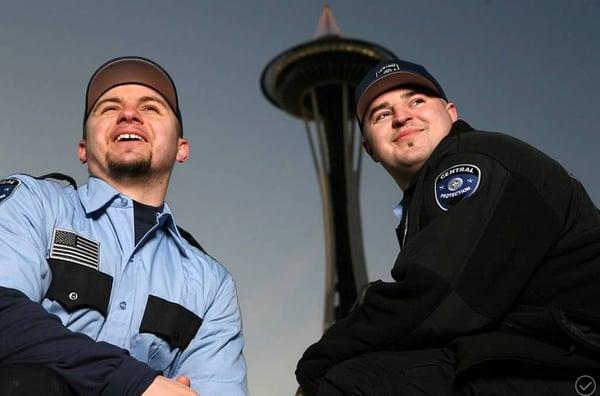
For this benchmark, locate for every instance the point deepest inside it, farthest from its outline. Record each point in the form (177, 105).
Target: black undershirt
(144, 218)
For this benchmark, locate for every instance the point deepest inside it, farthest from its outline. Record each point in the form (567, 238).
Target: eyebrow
(105, 100)
(152, 98)
(404, 96)
(118, 100)
(377, 108)
(410, 94)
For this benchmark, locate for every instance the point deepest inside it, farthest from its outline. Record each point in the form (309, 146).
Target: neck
(149, 190)
(402, 183)
(403, 177)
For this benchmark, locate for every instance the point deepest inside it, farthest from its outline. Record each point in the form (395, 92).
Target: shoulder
(209, 263)
(210, 282)
(29, 206)
(39, 186)
(210, 268)
(496, 143)
(28, 189)
(498, 157)
(512, 153)
(28, 200)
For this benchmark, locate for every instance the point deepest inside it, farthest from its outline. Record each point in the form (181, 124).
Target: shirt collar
(97, 195)
(167, 220)
(398, 210)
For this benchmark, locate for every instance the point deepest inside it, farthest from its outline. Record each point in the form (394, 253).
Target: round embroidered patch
(455, 184)
(7, 187)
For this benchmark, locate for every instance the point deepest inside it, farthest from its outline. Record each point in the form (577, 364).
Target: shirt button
(123, 201)
(123, 305)
(73, 296)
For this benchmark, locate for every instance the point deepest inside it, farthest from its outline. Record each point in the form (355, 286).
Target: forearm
(387, 319)
(29, 334)
(213, 360)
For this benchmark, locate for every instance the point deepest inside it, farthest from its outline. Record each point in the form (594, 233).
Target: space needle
(315, 81)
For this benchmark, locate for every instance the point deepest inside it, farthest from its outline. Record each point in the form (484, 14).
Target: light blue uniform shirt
(162, 264)
(398, 209)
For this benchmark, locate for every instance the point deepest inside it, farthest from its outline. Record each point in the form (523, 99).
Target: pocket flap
(170, 321)
(76, 286)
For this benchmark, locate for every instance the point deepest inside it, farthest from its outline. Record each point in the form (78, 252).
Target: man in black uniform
(497, 285)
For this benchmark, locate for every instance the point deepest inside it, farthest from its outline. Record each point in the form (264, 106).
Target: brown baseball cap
(131, 70)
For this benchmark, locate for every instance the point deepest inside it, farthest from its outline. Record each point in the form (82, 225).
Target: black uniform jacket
(500, 260)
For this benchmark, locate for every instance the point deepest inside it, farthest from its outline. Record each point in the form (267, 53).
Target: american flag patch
(68, 246)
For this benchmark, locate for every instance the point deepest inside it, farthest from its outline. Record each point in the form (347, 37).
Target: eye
(418, 100)
(377, 117)
(108, 108)
(150, 108)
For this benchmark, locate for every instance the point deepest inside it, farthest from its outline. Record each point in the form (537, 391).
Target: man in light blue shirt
(110, 262)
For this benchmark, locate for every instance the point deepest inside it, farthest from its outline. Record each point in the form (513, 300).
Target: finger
(185, 380)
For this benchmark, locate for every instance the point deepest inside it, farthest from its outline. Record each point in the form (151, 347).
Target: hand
(180, 386)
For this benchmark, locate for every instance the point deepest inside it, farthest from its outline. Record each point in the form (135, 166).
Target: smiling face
(132, 132)
(403, 126)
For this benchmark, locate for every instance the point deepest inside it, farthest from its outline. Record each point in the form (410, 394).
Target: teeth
(129, 136)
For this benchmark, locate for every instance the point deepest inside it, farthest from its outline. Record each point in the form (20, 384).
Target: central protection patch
(455, 184)
(7, 187)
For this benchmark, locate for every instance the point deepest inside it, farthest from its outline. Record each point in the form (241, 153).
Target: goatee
(122, 170)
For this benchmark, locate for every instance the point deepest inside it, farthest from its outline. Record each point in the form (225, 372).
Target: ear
(183, 150)
(451, 109)
(81, 151)
(368, 149)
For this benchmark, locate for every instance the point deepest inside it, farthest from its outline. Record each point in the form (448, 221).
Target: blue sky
(248, 192)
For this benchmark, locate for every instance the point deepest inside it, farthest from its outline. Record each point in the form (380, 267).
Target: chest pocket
(170, 321)
(75, 286)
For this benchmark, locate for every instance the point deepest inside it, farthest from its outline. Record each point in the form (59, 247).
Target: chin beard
(123, 170)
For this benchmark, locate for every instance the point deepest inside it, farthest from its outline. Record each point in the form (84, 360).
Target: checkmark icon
(585, 385)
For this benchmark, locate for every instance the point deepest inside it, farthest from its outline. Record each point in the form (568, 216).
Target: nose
(129, 114)
(400, 117)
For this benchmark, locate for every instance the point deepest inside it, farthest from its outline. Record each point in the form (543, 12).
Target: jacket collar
(458, 128)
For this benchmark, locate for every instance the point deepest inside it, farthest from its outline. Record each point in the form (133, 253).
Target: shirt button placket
(121, 315)
(126, 284)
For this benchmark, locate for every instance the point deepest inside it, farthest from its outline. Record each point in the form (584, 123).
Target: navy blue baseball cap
(131, 70)
(388, 75)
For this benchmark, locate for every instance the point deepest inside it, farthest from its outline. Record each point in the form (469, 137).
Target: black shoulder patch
(8, 187)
